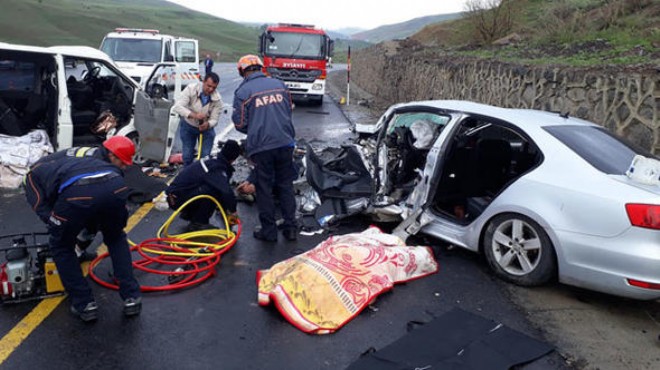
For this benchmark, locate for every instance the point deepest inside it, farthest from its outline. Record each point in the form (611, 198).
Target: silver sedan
(542, 195)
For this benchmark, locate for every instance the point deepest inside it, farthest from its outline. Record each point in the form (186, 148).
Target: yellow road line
(31, 321)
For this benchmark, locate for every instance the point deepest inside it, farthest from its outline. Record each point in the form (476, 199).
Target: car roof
(73, 51)
(520, 117)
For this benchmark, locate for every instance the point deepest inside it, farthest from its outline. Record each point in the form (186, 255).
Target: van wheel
(518, 250)
(137, 158)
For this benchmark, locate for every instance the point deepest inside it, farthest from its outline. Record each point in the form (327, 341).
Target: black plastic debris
(338, 173)
(456, 340)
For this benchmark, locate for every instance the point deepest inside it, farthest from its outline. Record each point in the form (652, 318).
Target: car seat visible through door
(493, 165)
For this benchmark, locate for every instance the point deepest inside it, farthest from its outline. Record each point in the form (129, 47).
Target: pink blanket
(322, 289)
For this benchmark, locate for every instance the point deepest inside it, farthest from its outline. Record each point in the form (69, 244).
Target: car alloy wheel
(519, 250)
(137, 158)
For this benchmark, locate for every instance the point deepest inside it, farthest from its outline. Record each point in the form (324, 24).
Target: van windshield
(132, 50)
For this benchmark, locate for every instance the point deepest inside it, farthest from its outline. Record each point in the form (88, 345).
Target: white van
(136, 52)
(66, 90)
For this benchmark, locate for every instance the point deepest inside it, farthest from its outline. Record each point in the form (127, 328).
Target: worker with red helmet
(80, 188)
(263, 111)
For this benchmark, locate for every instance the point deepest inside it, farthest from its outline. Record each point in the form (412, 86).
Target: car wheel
(519, 250)
(137, 158)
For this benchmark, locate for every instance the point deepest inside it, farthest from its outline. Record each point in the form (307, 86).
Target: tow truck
(137, 51)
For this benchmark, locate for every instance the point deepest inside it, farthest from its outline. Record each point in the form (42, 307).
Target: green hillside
(85, 22)
(341, 48)
(403, 29)
(570, 32)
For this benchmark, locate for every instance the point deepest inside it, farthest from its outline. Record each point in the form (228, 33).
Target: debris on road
(468, 341)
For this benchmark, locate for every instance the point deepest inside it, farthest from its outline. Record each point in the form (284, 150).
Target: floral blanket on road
(322, 289)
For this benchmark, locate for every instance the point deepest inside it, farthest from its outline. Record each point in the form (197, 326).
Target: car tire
(137, 158)
(519, 250)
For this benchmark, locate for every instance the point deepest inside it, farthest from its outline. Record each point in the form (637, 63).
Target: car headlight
(317, 86)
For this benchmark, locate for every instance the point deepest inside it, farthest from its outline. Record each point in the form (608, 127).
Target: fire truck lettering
(293, 65)
(269, 99)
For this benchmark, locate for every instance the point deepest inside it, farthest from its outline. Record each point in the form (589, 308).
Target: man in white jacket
(199, 107)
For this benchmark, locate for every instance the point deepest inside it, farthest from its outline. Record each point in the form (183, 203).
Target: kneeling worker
(70, 191)
(208, 176)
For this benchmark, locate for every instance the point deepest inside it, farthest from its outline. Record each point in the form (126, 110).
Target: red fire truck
(298, 55)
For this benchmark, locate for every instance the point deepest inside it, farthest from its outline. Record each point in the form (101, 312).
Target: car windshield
(407, 119)
(132, 50)
(602, 149)
(295, 45)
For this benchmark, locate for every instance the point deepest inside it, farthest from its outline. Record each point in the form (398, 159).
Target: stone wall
(627, 101)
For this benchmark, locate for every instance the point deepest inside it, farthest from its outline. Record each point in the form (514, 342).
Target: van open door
(186, 55)
(154, 120)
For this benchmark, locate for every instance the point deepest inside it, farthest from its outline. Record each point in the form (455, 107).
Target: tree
(491, 18)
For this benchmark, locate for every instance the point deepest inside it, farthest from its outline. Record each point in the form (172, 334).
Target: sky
(328, 14)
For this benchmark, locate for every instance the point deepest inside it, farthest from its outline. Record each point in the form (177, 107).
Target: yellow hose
(185, 240)
(199, 148)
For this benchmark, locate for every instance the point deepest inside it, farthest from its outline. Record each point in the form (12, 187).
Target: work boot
(89, 313)
(132, 306)
(290, 234)
(85, 256)
(260, 235)
(83, 241)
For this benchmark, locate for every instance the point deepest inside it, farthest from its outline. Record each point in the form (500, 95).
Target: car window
(17, 76)
(185, 51)
(602, 149)
(407, 119)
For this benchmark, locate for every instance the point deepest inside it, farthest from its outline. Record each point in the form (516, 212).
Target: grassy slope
(85, 22)
(403, 29)
(572, 32)
(341, 48)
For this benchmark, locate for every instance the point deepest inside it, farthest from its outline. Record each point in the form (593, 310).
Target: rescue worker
(199, 107)
(69, 190)
(263, 111)
(208, 176)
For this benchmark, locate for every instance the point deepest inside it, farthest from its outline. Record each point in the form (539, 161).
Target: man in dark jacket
(263, 111)
(208, 64)
(209, 176)
(72, 189)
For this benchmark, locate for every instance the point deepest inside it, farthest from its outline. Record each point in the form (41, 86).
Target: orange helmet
(247, 61)
(122, 147)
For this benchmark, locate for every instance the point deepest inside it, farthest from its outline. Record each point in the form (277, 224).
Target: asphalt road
(219, 324)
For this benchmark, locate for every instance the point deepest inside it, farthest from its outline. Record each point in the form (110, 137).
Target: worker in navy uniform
(88, 233)
(263, 111)
(69, 191)
(209, 176)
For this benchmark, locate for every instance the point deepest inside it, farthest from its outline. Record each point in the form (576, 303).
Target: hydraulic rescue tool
(29, 272)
